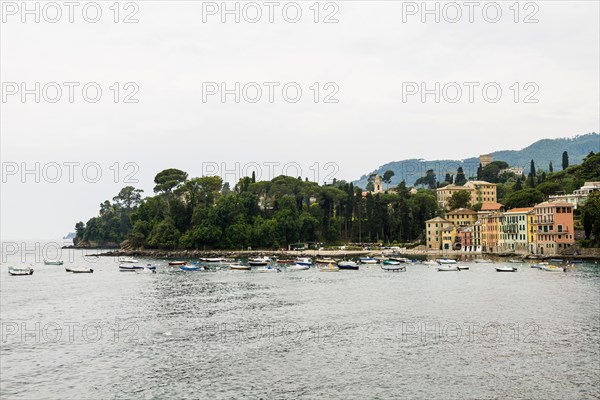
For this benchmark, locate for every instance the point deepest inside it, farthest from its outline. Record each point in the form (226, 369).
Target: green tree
(565, 160)
(428, 180)
(460, 179)
(128, 197)
(550, 168)
(164, 235)
(459, 199)
(518, 185)
(387, 177)
(169, 179)
(524, 198)
(590, 216)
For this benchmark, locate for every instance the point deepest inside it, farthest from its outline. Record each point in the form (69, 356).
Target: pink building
(554, 227)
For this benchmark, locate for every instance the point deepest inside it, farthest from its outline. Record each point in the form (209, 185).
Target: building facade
(434, 229)
(579, 196)
(480, 192)
(554, 227)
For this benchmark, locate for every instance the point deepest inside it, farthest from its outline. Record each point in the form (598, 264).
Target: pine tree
(518, 185)
(448, 178)
(565, 160)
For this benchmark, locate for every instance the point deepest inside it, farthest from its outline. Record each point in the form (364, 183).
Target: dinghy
(238, 267)
(348, 265)
(368, 260)
(553, 268)
(304, 261)
(446, 261)
(462, 267)
(20, 271)
(131, 268)
(178, 263)
(329, 268)
(391, 262)
(212, 260)
(483, 261)
(46, 262)
(79, 270)
(298, 267)
(267, 269)
(506, 269)
(394, 267)
(326, 260)
(258, 262)
(445, 268)
(539, 265)
(191, 268)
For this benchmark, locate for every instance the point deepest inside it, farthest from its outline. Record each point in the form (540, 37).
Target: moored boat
(514, 261)
(446, 268)
(239, 267)
(329, 268)
(446, 261)
(506, 269)
(79, 270)
(130, 267)
(368, 260)
(348, 265)
(178, 263)
(298, 267)
(20, 271)
(267, 269)
(47, 262)
(191, 268)
(304, 261)
(431, 263)
(539, 265)
(260, 261)
(394, 267)
(402, 260)
(556, 260)
(483, 261)
(553, 268)
(212, 260)
(462, 267)
(391, 262)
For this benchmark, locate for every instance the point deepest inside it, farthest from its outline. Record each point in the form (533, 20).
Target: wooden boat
(191, 268)
(304, 261)
(446, 268)
(446, 261)
(239, 267)
(46, 262)
(128, 260)
(298, 267)
(267, 269)
(79, 270)
(259, 262)
(290, 261)
(178, 263)
(20, 271)
(131, 268)
(368, 260)
(506, 269)
(394, 267)
(553, 268)
(329, 268)
(326, 260)
(351, 265)
(212, 260)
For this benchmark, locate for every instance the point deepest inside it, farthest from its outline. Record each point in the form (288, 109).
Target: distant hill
(542, 152)
(70, 235)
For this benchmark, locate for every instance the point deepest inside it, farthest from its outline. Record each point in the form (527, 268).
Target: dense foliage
(199, 213)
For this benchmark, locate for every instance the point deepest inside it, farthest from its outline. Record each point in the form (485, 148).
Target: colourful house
(554, 222)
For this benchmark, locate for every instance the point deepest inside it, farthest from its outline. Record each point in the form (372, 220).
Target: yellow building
(462, 217)
(449, 237)
(434, 232)
(531, 232)
(480, 191)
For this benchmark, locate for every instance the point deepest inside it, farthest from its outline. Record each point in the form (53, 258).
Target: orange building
(554, 222)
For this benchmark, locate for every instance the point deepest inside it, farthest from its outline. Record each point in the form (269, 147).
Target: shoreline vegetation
(188, 214)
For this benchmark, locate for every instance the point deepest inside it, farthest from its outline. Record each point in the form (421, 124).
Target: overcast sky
(369, 58)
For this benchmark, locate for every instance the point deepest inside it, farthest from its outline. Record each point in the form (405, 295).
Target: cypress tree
(565, 160)
(550, 167)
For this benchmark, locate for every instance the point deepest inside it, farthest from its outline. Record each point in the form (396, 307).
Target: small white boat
(445, 268)
(260, 261)
(539, 265)
(239, 267)
(212, 260)
(553, 268)
(131, 268)
(515, 261)
(18, 271)
(482, 261)
(506, 269)
(47, 262)
(431, 263)
(326, 260)
(329, 268)
(446, 261)
(128, 260)
(298, 267)
(394, 267)
(304, 261)
(462, 267)
(368, 260)
(79, 270)
(267, 269)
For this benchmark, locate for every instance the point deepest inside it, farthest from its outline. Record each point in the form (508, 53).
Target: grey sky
(368, 54)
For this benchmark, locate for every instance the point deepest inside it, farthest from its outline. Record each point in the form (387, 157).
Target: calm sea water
(422, 334)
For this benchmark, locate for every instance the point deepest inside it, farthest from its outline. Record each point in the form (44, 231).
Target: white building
(578, 197)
